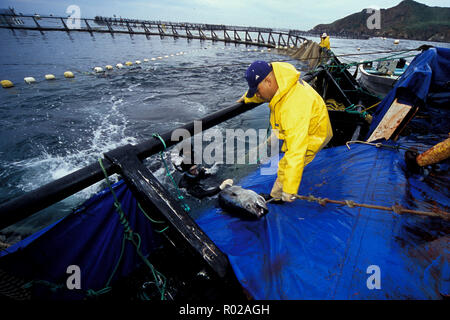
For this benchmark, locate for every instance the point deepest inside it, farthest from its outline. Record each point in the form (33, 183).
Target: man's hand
(276, 189)
(225, 183)
(241, 99)
(287, 197)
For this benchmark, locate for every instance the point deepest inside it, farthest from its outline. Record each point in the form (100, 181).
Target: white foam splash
(47, 167)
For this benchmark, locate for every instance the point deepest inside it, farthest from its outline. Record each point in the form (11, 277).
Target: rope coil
(131, 236)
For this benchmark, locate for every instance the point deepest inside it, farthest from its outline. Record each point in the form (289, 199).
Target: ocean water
(49, 129)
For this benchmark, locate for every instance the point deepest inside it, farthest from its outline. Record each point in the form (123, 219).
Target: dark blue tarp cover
(304, 250)
(90, 238)
(298, 251)
(425, 82)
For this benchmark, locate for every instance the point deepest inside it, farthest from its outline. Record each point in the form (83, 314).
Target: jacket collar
(286, 76)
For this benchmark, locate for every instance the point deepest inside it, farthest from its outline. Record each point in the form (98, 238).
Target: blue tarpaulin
(299, 250)
(90, 238)
(424, 83)
(303, 250)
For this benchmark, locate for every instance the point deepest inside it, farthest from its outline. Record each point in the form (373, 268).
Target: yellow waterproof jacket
(298, 116)
(325, 42)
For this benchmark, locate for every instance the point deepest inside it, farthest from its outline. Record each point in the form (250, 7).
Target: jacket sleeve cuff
(253, 99)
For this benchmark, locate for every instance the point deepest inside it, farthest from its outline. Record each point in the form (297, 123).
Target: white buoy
(160, 58)
(396, 41)
(119, 66)
(50, 77)
(153, 59)
(358, 49)
(29, 80)
(69, 74)
(145, 60)
(138, 62)
(98, 69)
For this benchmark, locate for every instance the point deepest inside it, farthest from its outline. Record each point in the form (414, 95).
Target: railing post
(38, 26)
(236, 35)
(88, 27)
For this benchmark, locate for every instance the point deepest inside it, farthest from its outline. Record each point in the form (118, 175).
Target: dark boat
(135, 240)
(382, 78)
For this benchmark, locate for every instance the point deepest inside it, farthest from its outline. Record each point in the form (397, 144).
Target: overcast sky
(293, 14)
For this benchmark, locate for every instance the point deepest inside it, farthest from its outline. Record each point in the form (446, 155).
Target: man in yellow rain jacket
(324, 41)
(298, 116)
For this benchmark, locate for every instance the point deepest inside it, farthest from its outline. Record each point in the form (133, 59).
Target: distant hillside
(407, 20)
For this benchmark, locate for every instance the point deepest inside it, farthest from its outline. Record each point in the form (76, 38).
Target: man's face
(266, 89)
(193, 170)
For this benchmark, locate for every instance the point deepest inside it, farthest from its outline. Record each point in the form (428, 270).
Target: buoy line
(107, 68)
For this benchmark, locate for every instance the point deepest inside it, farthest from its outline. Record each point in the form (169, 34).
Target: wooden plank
(391, 121)
(153, 197)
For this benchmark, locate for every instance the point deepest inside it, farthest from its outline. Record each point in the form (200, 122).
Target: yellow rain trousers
(325, 42)
(298, 116)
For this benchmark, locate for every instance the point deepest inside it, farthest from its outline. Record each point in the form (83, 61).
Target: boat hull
(378, 84)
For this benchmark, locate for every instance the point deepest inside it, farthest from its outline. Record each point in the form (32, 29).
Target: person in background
(324, 41)
(298, 115)
(193, 175)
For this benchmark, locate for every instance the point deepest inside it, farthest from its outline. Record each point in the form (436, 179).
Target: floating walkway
(231, 34)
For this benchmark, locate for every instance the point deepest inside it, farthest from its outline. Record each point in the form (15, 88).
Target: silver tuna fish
(243, 202)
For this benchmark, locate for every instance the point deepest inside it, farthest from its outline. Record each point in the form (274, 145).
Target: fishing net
(309, 52)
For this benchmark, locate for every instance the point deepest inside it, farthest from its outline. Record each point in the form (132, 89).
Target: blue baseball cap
(256, 73)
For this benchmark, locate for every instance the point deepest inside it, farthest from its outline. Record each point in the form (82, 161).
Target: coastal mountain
(407, 20)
